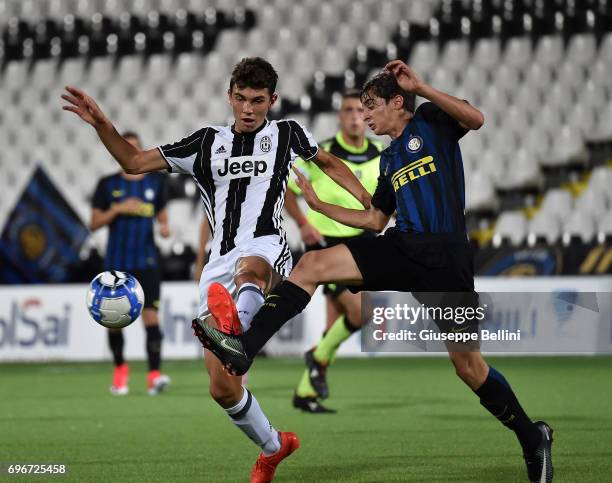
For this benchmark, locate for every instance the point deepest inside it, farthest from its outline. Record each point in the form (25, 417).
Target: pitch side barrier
(556, 315)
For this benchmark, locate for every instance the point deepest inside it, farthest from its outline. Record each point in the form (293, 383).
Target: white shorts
(272, 248)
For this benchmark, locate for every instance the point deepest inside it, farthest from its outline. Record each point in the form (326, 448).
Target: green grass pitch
(406, 419)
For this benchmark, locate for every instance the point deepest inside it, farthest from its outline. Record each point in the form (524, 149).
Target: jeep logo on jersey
(242, 166)
(265, 144)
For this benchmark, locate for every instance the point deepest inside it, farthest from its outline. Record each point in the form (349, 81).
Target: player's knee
(245, 276)
(311, 266)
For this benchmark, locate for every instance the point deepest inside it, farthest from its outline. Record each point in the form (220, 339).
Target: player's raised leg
(497, 397)
(284, 302)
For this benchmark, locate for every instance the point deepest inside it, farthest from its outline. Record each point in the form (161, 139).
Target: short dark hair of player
(351, 94)
(131, 134)
(254, 72)
(385, 86)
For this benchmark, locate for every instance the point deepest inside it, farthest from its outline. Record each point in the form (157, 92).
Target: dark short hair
(254, 72)
(131, 134)
(351, 94)
(385, 86)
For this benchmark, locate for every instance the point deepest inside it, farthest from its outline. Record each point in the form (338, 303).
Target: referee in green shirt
(362, 156)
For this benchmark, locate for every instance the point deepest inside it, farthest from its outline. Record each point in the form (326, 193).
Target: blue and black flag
(42, 237)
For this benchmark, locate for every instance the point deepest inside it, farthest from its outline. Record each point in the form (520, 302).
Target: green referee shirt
(363, 162)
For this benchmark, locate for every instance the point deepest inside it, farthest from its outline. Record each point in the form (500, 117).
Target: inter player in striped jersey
(128, 204)
(242, 172)
(421, 179)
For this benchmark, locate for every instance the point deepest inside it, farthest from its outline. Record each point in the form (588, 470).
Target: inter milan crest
(265, 144)
(415, 144)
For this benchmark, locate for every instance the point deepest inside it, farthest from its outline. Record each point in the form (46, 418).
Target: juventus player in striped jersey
(242, 172)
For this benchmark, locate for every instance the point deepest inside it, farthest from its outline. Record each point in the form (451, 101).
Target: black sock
(283, 303)
(115, 342)
(154, 339)
(497, 397)
(349, 325)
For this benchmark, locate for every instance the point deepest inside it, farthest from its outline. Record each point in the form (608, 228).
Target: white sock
(250, 298)
(251, 420)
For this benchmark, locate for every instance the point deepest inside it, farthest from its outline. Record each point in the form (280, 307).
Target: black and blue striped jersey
(131, 243)
(421, 175)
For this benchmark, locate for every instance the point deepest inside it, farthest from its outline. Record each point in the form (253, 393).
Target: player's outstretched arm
(467, 115)
(131, 159)
(343, 176)
(369, 219)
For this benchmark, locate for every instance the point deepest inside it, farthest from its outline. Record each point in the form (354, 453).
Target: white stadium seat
(549, 50)
(424, 57)
(486, 54)
(517, 52)
(601, 181)
(543, 225)
(455, 55)
(511, 225)
(480, 192)
(580, 224)
(592, 201)
(557, 202)
(582, 49)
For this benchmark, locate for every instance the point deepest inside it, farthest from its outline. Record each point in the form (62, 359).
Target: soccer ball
(115, 299)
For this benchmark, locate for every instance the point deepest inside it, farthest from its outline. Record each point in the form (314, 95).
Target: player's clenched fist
(84, 107)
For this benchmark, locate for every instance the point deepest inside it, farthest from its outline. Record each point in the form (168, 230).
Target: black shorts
(438, 269)
(335, 289)
(150, 280)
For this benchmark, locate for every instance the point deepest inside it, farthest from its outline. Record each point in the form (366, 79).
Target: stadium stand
(537, 174)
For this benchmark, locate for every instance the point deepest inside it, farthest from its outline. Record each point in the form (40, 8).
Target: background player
(128, 204)
(241, 171)
(362, 156)
(422, 178)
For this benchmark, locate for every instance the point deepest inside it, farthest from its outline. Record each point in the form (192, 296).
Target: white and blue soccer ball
(115, 299)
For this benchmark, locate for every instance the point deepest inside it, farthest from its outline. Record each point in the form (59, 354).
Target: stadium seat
(543, 226)
(603, 128)
(549, 51)
(567, 148)
(582, 49)
(521, 171)
(480, 192)
(582, 119)
(15, 75)
(605, 224)
(557, 202)
(101, 71)
(579, 224)
(517, 53)
(605, 49)
(486, 54)
(455, 55)
(592, 201)
(424, 57)
(510, 226)
(601, 181)
(506, 78)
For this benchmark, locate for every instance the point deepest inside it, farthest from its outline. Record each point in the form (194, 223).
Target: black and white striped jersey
(242, 177)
